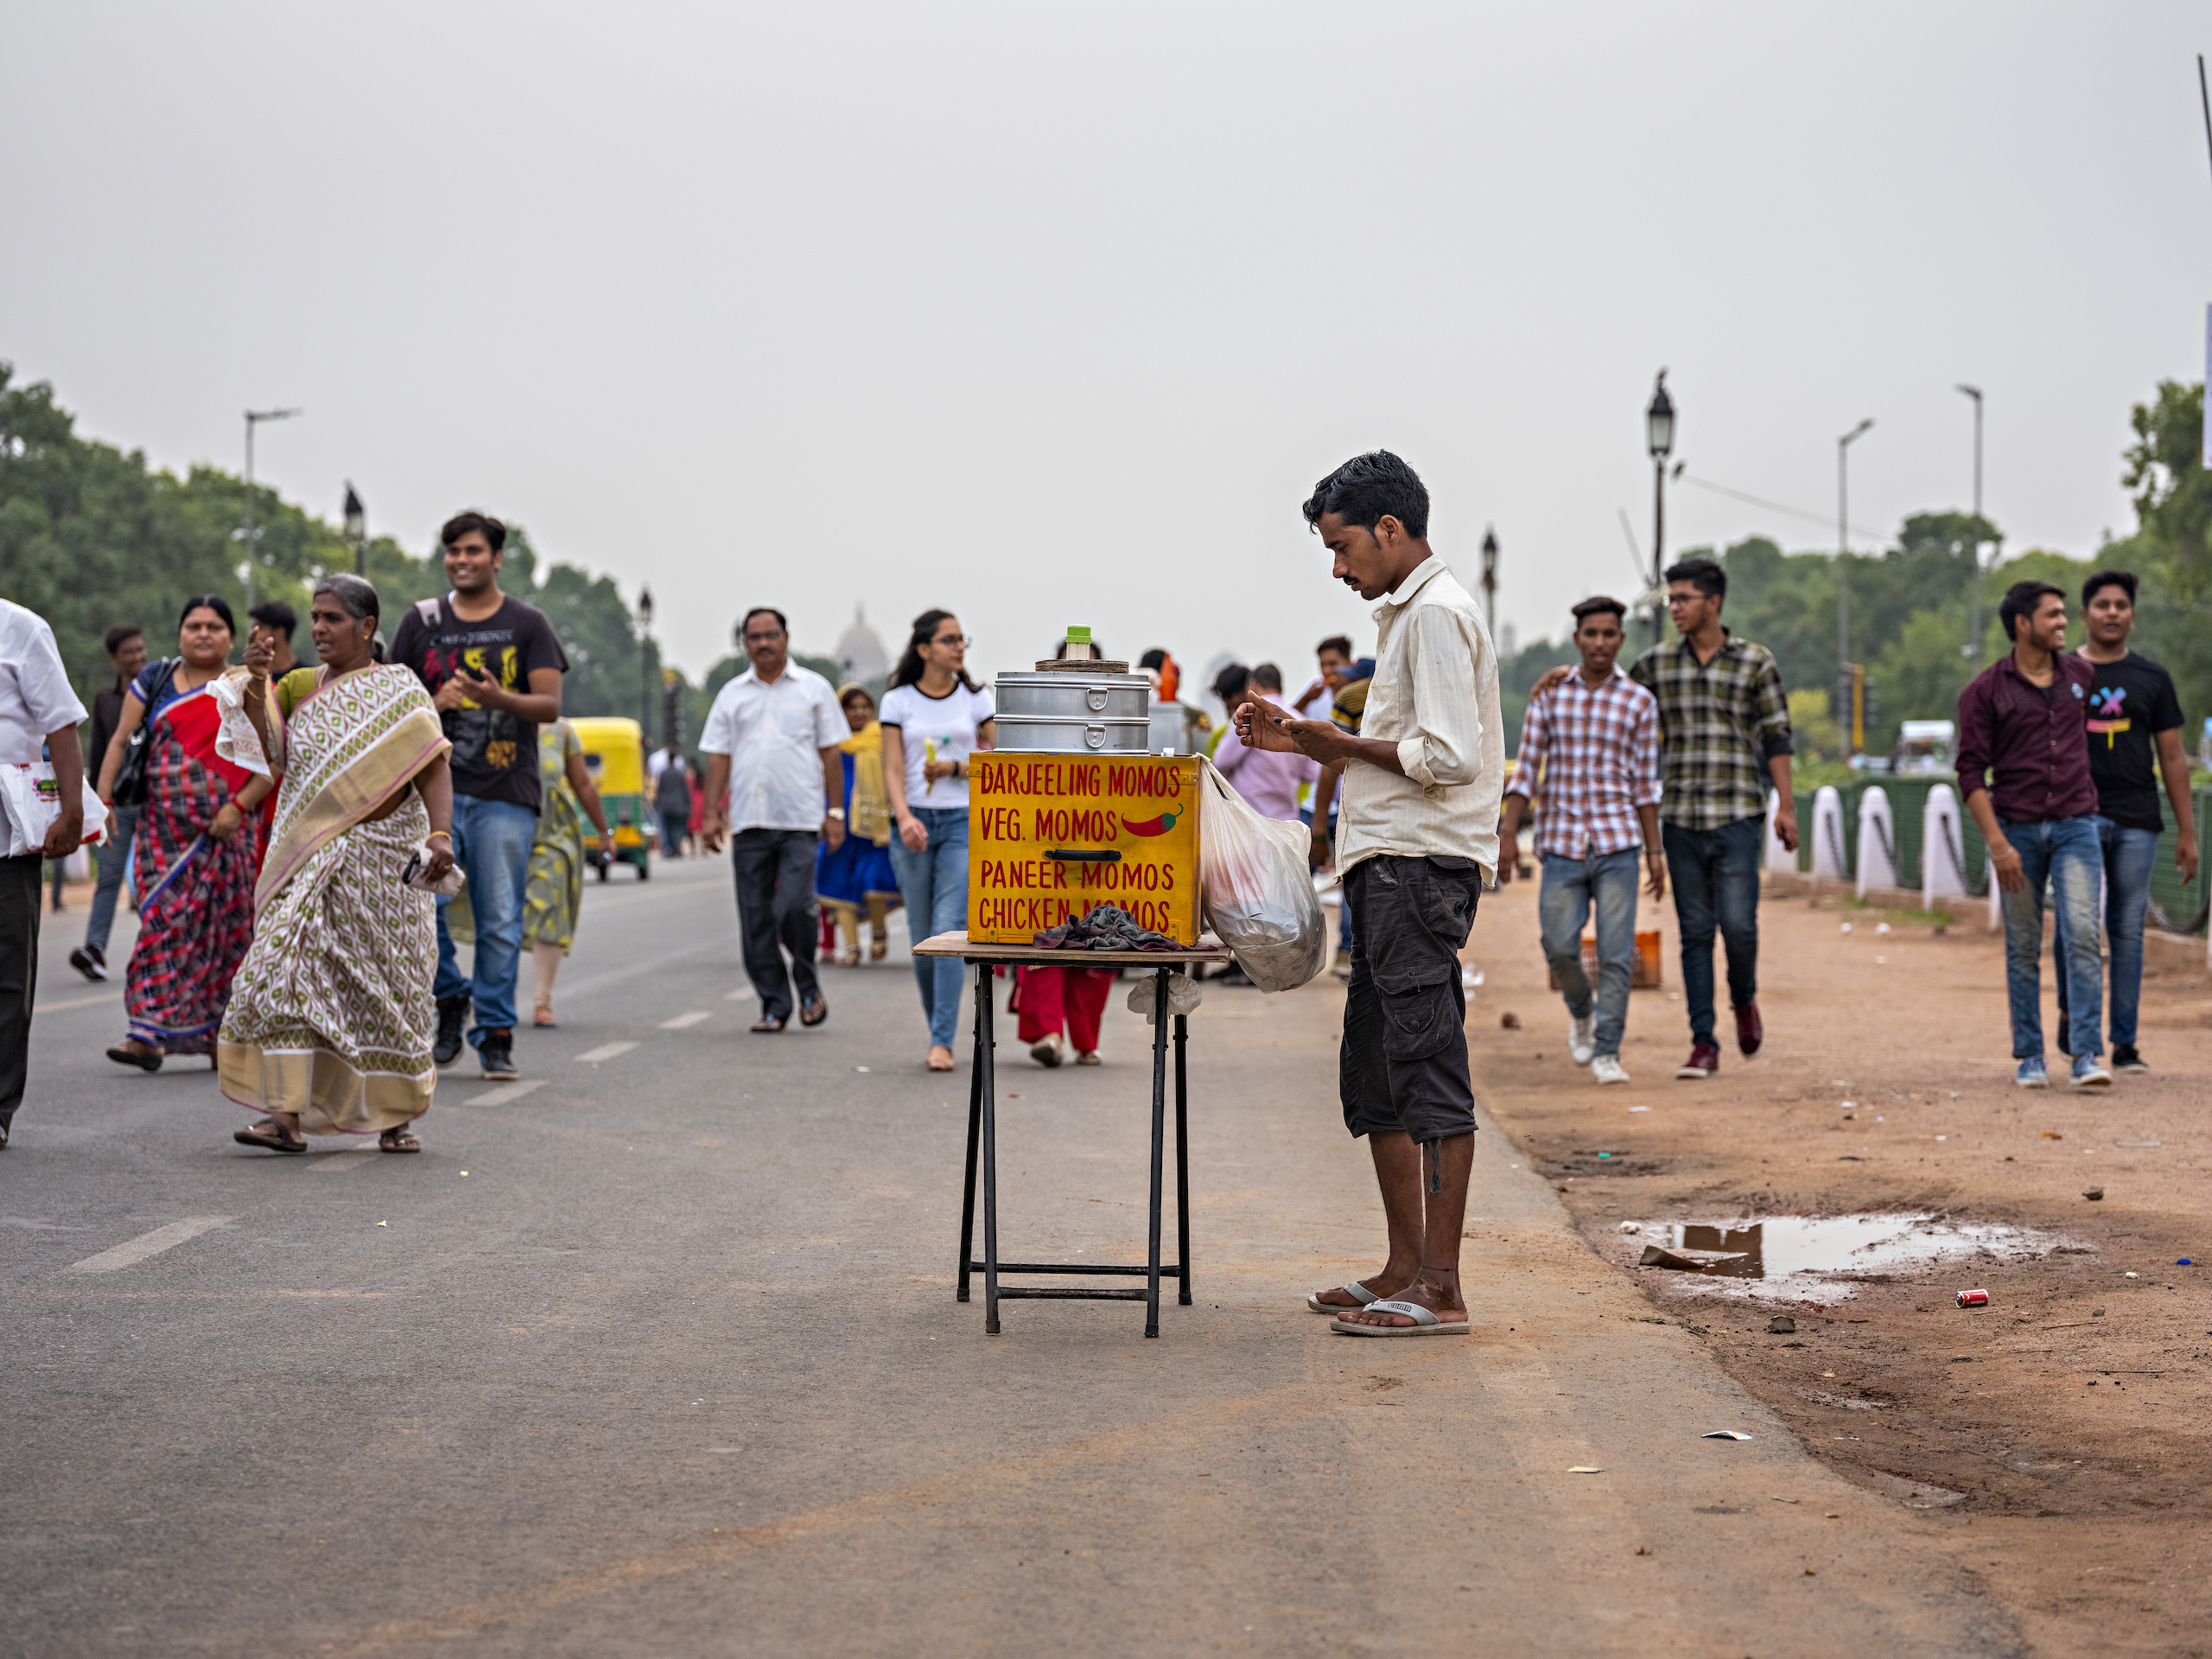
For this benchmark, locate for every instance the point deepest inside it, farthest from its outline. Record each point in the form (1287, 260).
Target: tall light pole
(1659, 436)
(357, 530)
(253, 418)
(1490, 581)
(1973, 648)
(1842, 559)
(644, 663)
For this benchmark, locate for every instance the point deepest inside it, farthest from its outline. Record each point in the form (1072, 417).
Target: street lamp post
(1973, 648)
(1490, 581)
(645, 662)
(254, 417)
(1842, 556)
(1659, 434)
(357, 530)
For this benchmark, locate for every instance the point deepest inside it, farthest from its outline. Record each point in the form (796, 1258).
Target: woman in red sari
(198, 849)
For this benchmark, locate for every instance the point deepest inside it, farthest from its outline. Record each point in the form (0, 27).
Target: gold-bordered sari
(331, 1014)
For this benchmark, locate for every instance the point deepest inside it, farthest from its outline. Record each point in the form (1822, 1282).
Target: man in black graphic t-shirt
(493, 667)
(2134, 734)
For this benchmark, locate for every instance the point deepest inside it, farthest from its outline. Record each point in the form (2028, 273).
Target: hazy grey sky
(1053, 315)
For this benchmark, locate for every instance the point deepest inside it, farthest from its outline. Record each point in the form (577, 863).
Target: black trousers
(19, 911)
(775, 913)
(1403, 1065)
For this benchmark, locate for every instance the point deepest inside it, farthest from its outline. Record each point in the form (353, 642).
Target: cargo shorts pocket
(1418, 1022)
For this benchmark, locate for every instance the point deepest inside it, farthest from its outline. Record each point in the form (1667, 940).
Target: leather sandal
(271, 1134)
(397, 1140)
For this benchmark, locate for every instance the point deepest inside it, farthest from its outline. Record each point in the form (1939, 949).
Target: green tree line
(91, 537)
(1911, 604)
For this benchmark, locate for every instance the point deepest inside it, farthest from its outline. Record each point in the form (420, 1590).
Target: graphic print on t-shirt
(2105, 714)
(484, 739)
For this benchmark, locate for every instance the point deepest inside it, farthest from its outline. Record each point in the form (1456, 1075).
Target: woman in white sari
(331, 1018)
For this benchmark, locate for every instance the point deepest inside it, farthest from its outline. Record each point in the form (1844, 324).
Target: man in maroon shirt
(2024, 768)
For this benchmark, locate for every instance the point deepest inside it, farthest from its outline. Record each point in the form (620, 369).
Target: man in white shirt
(39, 716)
(772, 742)
(1417, 833)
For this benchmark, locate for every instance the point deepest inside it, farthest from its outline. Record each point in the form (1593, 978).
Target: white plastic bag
(30, 800)
(1258, 890)
(1183, 995)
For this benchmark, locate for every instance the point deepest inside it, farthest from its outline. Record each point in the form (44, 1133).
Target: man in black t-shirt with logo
(493, 667)
(2133, 716)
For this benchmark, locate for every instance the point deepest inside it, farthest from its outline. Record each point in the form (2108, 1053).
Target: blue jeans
(933, 886)
(2068, 855)
(1716, 877)
(491, 842)
(115, 860)
(1571, 887)
(2130, 856)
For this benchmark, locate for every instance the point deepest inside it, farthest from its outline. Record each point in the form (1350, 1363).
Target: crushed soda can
(1974, 1298)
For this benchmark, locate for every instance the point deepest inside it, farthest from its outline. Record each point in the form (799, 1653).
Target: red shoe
(1704, 1061)
(1750, 1030)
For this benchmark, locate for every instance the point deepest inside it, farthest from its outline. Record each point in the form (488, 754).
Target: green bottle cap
(1078, 636)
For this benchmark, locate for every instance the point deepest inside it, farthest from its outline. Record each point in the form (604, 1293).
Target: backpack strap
(427, 610)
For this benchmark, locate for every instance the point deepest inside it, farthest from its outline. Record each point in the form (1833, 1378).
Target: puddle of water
(1801, 1257)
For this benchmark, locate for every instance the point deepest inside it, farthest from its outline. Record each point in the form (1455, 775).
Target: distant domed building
(861, 655)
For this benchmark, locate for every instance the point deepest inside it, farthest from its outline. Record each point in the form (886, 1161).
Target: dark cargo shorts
(1404, 1062)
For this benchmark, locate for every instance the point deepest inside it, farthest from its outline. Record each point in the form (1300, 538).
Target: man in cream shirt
(1416, 837)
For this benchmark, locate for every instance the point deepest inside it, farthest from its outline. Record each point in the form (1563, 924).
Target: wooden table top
(956, 944)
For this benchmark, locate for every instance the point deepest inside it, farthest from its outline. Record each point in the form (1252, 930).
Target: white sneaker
(1607, 1069)
(1048, 1050)
(1582, 1039)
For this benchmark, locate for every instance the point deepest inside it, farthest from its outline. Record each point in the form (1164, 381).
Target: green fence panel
(2178, 905)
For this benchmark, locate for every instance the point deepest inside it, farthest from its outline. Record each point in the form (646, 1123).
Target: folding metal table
(983, 1135)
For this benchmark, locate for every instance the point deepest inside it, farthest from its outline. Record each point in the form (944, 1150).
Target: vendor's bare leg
(1438, 1218)
(1397, 1172)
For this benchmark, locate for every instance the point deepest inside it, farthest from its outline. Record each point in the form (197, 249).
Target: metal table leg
(975, 1126)
(986, 1083)
(1159, 1139)
(1182, 1165)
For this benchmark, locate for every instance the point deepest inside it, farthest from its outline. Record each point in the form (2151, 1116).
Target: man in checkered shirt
(1593, 740)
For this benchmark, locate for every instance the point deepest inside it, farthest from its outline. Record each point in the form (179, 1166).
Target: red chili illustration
(1159, 826)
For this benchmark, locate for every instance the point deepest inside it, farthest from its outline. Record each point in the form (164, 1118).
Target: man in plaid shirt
(1594, 740)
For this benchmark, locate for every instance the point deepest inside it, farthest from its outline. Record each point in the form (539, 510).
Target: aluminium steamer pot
(1065, 712)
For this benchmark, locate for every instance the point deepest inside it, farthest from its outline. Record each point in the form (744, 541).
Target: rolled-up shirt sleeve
(1974, 738)
(1644, 745)
(1448, 750)
(1774, 712)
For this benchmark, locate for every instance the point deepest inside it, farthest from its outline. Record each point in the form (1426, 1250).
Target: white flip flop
(1424, 1323)
(1358, 1292)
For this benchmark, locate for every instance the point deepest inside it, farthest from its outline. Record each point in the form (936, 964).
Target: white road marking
(684, 1020)
(605, 1051)
(500, 1093)
(336, 1159)
(153, 1243)
(738, 995)
(77, 1001)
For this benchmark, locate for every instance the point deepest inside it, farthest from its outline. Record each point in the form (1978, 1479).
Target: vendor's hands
(833, 832)
(914, 834)
(260, 655)
(439, 865)
(226, 821)
(2006, 862)
(1261, 724)
(464, 688)
(66, 833)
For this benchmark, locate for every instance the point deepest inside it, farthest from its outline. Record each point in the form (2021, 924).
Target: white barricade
(1830, 862)
(1943, 848)
(1876, 837)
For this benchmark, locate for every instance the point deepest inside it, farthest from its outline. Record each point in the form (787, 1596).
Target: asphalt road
(656, 1352)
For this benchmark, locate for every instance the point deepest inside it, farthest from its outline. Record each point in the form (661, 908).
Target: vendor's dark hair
(115, 636)
(2124, 580)
(462, 522)
(1597, 602)
(1367, 486)
(214, 602)
(909, 672)
(357, 596)
(2023, 598)
(275, 613)
(1703, 575)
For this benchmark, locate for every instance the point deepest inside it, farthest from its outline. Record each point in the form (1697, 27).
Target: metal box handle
(1096, 695)
(1094, 737)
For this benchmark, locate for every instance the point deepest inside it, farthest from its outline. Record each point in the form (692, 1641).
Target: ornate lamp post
(1490, 581)
(357, 530)
(1659, 437)
(253, 418)
(645, 662)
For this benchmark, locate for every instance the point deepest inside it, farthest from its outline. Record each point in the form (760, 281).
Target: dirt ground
(2070, 1414)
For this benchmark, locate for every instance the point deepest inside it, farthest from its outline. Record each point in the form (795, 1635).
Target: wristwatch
(837, 813)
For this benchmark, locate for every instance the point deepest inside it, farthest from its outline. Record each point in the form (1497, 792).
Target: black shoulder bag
(130, 776)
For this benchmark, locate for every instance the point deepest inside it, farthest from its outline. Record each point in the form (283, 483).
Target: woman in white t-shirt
(934, 717)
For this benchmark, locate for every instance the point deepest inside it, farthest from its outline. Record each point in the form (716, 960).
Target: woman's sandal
(948, 1064)
(878, 948)
(144, 1062)
(849, 957)
(271, 1134)
(397, 1140)
(543, 1018)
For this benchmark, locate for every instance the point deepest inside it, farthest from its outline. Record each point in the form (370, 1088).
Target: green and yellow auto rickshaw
(614, 754)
